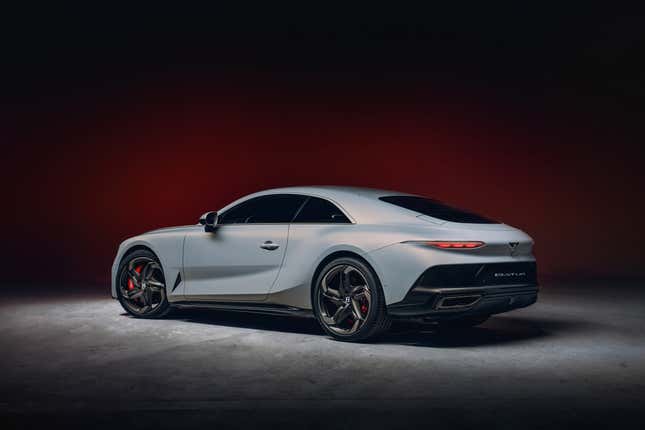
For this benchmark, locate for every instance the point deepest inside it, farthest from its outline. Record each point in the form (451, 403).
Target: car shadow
(497, 330)
(285, 324)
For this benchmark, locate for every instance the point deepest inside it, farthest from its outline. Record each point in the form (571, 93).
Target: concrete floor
(576, 357)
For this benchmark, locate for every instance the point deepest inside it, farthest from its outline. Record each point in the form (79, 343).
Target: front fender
(168, 250)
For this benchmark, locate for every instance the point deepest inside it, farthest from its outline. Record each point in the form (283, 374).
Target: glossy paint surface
(229, 264)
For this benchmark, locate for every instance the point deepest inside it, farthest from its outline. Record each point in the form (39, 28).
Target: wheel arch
(124, 250)
(339, 254)
(137, 247)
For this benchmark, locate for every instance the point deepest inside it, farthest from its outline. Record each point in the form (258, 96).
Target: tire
(464, 322)
(346, 309)
(140, 275)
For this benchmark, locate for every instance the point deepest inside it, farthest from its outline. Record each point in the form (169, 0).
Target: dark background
(116, 122)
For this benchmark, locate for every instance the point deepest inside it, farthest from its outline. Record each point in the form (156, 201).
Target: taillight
(445, 244)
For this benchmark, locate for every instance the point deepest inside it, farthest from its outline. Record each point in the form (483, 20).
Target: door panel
(236, 262)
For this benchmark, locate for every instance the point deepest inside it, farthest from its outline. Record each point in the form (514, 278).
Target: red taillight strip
(450, 244)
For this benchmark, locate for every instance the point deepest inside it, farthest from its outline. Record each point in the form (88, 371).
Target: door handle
(270, 246)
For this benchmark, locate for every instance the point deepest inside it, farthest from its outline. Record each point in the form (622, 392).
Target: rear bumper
(452, 291)
(448, 303)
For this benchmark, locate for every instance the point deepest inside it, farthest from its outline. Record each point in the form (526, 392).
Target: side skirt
(256, 308)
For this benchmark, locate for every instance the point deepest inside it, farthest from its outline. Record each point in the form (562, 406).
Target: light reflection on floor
(79, 355)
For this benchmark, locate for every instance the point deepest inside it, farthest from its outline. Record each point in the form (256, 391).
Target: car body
(252, 263)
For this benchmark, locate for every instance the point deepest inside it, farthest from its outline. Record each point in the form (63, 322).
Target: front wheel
(141, 286)
(349, 302)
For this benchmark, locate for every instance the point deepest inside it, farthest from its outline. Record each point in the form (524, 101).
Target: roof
(335, 190)
(361, 204)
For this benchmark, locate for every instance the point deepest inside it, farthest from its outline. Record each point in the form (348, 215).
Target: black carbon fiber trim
(476, 275)
(500, 286)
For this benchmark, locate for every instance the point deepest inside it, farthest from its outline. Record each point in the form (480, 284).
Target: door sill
(257, 308)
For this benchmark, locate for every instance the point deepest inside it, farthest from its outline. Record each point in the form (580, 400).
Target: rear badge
(513, 247)
(509, 274)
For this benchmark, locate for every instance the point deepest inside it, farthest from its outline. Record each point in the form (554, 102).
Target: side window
(278, 208)
(237, 214)
(320, 211)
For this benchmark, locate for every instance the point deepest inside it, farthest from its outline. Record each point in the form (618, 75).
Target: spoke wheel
(142, 288)
(348, 301)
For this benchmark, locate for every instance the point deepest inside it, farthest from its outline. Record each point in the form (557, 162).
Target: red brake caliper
(130, 283)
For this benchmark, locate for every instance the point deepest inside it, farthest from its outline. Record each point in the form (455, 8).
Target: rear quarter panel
(310, 244)
(397, 264)
(402, 263)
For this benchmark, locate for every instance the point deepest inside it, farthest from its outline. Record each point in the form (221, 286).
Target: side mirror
(209, 221)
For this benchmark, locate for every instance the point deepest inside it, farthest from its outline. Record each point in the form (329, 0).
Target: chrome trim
(440, 304)
(449, 290)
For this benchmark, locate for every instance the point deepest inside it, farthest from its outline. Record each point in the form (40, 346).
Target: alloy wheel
(142, 285)
(344, 299)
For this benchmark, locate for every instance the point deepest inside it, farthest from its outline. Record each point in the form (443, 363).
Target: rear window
(436, 209)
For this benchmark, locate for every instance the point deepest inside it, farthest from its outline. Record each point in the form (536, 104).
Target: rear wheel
(141, 285)
(348, 301)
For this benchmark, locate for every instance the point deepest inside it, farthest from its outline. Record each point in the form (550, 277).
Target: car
(354, 258)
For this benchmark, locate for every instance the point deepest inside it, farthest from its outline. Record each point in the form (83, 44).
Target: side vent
(177, 281)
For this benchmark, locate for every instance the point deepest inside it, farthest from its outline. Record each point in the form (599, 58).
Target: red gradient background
(87, 173)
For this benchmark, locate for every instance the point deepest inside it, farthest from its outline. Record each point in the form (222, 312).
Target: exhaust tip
(458, 302)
